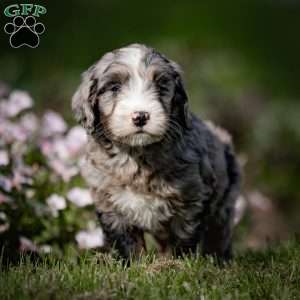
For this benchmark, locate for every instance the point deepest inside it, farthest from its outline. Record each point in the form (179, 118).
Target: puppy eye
(163, 81)
(114, 87)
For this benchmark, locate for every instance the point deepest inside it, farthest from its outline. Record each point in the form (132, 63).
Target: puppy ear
(84, 101)
(180, 99)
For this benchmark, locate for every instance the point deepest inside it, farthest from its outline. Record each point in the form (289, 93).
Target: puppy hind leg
(217, 240)
(218, 230)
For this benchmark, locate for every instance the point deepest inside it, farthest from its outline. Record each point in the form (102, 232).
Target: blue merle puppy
(152, 165)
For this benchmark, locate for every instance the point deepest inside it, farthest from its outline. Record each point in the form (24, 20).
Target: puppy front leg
(218, 239)
(164, 247)
(127, 240)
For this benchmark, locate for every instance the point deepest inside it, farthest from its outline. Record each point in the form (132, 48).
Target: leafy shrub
(43, 203)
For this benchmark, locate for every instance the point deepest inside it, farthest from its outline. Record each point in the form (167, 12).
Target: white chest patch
(141, 210)
(116, 189)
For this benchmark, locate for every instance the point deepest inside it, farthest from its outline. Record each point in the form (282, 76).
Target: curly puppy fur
(151, 164)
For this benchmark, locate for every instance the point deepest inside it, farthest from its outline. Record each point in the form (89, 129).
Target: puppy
(152, 165)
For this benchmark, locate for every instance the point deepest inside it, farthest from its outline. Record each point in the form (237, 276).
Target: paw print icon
(24, 32)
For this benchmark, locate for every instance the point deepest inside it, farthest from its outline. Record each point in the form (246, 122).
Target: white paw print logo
(24, 32)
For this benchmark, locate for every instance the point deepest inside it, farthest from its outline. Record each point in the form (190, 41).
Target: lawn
(270, 274)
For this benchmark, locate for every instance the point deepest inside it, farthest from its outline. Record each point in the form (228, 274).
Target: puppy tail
(233, 171)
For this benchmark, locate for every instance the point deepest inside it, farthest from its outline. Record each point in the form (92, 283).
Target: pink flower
(47, 148)
(3, 198)
(29, 122)
(56, 203)
(4, 159)
(27, 245)
(63, 170)
(55, 149)
(20, 178)
(60, 149)
(45, 249)
(89, 239)
(76, 139)
(65, 148)
(53, 124)
(11, 132)
(18, 133)
(22, 131)
(80, 197)
(17, 102)
(6, 183)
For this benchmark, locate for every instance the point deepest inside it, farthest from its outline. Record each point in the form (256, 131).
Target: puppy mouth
(141, 138)
(138, 131)
(141, 131)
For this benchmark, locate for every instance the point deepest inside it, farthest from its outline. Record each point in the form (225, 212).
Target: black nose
(140, 118)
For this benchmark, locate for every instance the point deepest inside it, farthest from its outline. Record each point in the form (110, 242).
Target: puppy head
(134, 96)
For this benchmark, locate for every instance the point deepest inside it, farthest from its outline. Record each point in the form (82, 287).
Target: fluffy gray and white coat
(151, 164)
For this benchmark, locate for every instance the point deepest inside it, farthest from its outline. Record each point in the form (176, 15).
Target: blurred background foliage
(241, 62)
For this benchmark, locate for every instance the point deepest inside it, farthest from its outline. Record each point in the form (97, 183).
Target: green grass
(271, 274)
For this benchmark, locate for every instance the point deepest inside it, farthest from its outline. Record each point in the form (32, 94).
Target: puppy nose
(140, 118)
